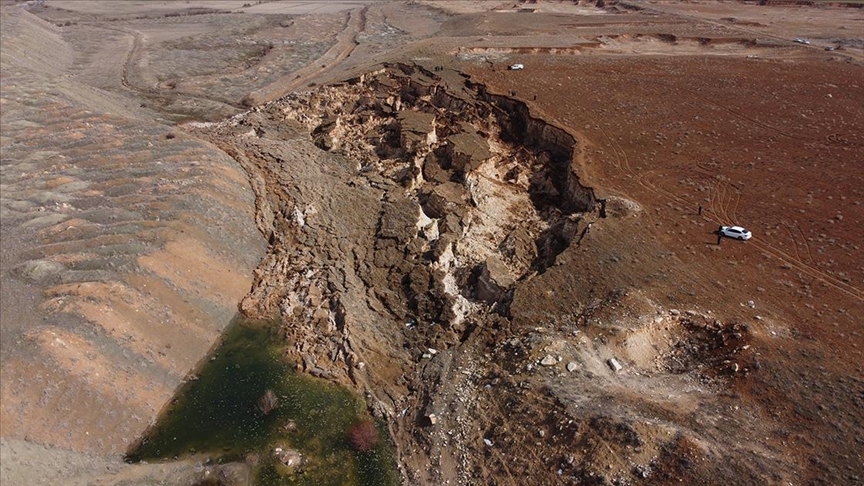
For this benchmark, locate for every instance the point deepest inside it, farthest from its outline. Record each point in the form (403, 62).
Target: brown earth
(470, 247)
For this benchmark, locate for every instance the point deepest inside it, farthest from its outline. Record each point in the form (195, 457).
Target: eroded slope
(412, 219)
(125, 247)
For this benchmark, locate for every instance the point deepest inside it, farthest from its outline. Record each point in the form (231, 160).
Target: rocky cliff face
(466, 194)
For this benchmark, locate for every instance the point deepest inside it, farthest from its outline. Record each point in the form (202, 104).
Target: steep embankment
(125, 249)
(399, 230)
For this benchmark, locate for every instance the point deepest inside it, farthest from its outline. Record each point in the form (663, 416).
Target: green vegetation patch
(248, 404)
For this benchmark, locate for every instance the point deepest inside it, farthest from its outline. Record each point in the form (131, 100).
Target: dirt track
(468, 246)
(346, 41)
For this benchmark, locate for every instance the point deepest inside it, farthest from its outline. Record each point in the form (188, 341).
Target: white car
(735, 232)
(516, 67)
(799, 40)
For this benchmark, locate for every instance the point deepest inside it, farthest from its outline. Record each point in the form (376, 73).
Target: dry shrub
(363, 436)
(268, 402)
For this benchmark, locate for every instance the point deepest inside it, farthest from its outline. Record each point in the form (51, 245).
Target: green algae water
(219, 416)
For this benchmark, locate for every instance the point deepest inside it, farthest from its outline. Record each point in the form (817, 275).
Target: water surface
(218, 415)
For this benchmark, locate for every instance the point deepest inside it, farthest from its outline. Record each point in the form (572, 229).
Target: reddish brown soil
(768, 144)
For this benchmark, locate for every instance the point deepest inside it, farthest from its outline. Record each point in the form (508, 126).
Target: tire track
(712, 203)
(808, 270)
(735, 206)
(803, 264)
(345, 44)
(829, 141)
(726, 195)
(806, 243)
(794, 240)
(723, 204)
(137, 44)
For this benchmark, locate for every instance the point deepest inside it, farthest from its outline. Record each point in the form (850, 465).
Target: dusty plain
(467, 246)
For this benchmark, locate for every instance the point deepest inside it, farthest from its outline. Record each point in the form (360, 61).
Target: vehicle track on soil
(722, 199)
(832, 140)
(723, 211)
(725, 208)
(131, 56)
(751, 32)
(720, 205)
(346, 42)
(810, 271)
(789, 229)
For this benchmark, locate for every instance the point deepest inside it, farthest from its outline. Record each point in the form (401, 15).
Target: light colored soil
(117, 275)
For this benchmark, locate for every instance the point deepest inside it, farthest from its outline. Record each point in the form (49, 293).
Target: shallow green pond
(220, 415)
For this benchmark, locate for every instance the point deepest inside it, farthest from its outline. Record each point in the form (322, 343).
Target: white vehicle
(799, 40)
(735, 232)
(516, 67)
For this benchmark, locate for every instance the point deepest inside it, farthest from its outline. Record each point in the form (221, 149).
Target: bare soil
(518, 269)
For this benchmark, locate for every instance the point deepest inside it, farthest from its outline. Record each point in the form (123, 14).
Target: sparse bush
(268, 402)
(170, 136)
(363, 436)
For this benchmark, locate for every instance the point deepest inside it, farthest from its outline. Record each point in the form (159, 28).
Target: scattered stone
(433, 419)
(37, 270)
(487, 442)
(571, 366)
(549, 360)
(674, 312)
(642, 471)
(289, 458)
(360, 365)
(614, 364)
(494, 281)
(298, 217)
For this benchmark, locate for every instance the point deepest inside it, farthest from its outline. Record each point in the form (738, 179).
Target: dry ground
(128, 241)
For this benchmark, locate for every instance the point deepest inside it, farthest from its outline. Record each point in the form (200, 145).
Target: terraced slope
(125, 249)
